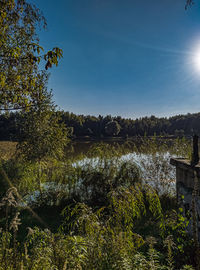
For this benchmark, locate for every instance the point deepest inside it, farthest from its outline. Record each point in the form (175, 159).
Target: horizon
(140, 117)
(132, 59)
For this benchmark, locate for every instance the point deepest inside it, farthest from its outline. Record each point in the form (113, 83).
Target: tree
(179, 133)
(189, 3)
(112, 128)
(21, 82)
(42, 135)
(70, 132)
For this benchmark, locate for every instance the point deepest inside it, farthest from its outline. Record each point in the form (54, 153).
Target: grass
(111, 233)
(7, 149)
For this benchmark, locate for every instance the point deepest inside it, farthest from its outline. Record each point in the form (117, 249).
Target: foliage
(97, 181)
(7, 150)
(189, 3)
(92, 175)
(20, 79)
(41, 134)
(176, 126)
(110, 228)
(110, 197)
(110, 235)
(112, 128)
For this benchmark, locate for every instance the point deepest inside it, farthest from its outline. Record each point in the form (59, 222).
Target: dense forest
(92, 126)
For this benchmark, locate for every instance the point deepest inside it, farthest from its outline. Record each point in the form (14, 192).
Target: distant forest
(99, 127)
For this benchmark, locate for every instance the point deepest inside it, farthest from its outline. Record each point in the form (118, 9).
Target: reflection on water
(179, 147)
(155, 168)
(104, 160)
(151, 156)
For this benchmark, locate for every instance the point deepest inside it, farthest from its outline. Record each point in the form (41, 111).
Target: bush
(97, 181)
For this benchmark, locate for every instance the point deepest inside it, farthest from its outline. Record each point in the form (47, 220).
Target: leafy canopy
(112, 128)
(21, 81)
(42, 134)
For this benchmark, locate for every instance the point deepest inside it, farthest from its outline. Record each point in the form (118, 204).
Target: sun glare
(196, 59)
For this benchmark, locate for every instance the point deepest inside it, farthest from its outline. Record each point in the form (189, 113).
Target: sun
(196, 59)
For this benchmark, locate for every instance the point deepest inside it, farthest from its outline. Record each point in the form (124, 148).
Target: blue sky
(124, 57)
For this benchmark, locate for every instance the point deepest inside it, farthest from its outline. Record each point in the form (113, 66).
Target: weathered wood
(187, 181)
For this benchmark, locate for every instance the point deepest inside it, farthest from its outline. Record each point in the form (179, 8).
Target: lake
(104, 160)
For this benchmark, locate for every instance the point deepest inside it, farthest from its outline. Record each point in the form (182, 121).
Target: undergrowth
(97, 213)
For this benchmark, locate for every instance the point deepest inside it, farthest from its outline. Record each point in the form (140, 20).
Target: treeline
(92, 126)
(103, 126)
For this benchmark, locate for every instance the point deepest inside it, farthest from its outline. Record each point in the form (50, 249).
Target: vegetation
(179, 125)
(106, 210)
(97, 127)
(112, 128)
(21, 81)
(97, 213)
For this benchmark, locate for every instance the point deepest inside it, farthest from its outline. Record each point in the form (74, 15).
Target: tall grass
(112, 212)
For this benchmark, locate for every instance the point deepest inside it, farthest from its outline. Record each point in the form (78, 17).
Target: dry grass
(7, 149)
